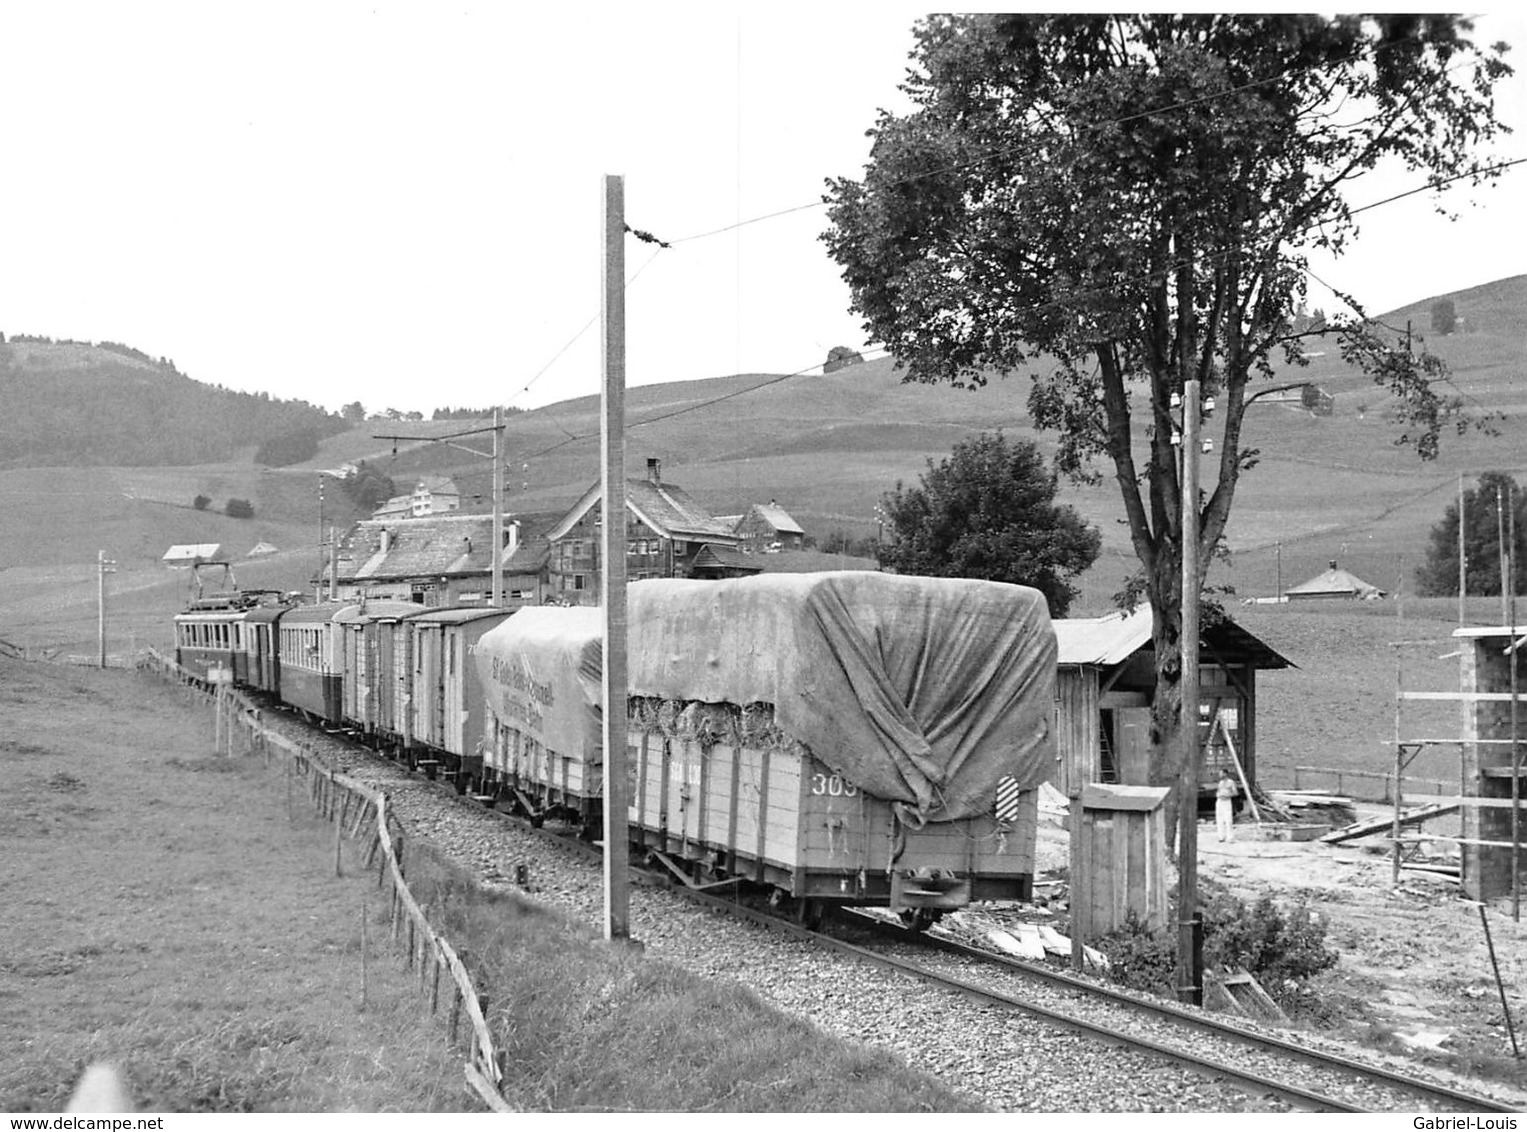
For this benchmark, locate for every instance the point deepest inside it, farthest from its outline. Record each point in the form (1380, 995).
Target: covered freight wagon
(842, 737)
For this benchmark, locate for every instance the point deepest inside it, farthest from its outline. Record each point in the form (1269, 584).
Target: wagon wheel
(809, 913)
(919, 919)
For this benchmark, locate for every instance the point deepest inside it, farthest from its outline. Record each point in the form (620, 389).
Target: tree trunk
(1166, 709)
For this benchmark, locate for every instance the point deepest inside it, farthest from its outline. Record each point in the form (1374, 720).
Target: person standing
(1224, 804)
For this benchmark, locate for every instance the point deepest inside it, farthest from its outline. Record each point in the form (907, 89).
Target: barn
(1334, 583)
(1105, 685)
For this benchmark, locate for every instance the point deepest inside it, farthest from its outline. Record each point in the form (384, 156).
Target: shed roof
(1334, 581)
(191, 551)
(1115, 637)
(726, 557)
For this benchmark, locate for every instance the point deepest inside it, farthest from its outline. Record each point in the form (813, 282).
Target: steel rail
(1295, 1095)
(1207, 1022)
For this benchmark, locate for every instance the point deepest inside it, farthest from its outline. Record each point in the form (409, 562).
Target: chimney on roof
(511, 538)
(468, 541)
(386, 540)
(654, 469)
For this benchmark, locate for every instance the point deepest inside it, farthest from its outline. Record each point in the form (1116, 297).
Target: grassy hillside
(826, 448)
(74, 404)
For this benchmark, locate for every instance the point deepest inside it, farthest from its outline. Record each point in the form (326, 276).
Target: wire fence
(361, 815)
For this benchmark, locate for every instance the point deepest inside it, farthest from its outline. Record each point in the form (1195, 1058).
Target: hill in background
(77, 404)
(825, 447)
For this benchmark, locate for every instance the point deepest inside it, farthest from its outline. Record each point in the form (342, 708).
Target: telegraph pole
(103, 566)
(612, 572)
(497, 598)
(1189, 927)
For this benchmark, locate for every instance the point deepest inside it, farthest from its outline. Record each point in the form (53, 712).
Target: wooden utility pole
(497, 597)
(103, 566)
(1500, 521)
(612, 572)
(1462, 572)
(1189, 937)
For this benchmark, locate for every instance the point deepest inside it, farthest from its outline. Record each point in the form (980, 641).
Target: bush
(239, 509)
(201, 502)
(1282, 950)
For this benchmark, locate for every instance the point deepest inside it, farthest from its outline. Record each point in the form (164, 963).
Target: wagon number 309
(833, 785)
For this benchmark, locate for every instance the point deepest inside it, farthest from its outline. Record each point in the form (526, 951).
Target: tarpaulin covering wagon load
(811, 723)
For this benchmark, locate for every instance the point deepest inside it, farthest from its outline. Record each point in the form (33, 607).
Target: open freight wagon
(850, 738)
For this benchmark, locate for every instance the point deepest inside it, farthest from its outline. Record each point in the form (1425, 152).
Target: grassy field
(163, 913)
(171, 912)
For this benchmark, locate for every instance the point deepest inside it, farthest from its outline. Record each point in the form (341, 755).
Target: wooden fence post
(364, 959)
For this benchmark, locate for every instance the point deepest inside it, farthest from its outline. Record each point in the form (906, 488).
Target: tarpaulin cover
(540, 671)
(924, 691)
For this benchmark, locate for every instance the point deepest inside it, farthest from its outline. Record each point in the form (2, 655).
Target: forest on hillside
(76, 404)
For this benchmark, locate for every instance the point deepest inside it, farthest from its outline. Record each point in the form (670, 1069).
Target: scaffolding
(1490, 762)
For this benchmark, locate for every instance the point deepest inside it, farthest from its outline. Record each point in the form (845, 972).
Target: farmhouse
(1104, 688)
(768, 526)
(1333, 582)
(442, 560)
(432, 495)
(668, 535)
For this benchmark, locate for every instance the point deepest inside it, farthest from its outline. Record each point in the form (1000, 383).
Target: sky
(400, 204)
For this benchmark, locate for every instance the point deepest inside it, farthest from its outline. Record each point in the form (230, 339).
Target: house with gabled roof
(668, 535)
(768, 526)
(440, 560)
(1333, 582)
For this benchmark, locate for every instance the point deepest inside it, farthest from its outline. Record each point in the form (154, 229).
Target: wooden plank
(1136, 894)
(1124, 830)
(1024, 941)
(1374, 825)
(1053, 941)
(1466, 697)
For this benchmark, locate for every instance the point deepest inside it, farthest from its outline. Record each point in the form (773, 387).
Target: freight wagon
(838, 738)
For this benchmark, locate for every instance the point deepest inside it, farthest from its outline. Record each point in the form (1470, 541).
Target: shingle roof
(665, 507)
(1334, 580)
(439, 545)
(778, 518)
(1115, 637)
(726, 557)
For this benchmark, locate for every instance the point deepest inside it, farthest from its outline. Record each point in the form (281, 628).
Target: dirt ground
(1414, 978)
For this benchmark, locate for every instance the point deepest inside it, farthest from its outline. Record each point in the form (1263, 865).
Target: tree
(839, 357)
(239, 509)
(1117, 204)
(1438, 575)
(1444, 318)
(989, 511)
(367, 488)
(354, 411)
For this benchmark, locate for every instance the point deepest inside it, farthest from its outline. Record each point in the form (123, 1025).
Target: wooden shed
(1121, 854)
(1105, 685)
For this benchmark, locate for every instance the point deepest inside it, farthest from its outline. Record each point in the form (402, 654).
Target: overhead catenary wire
(1070, 297)
(1018, 148)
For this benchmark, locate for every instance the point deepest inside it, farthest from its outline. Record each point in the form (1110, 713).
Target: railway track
(1290, 1074)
